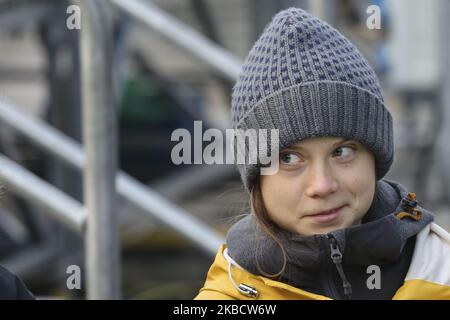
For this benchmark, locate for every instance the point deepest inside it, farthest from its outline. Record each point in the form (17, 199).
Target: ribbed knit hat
(306, 79)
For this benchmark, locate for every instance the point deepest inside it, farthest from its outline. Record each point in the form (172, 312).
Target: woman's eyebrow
(342, 140)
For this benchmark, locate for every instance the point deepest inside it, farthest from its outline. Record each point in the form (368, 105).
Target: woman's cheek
(277, 194)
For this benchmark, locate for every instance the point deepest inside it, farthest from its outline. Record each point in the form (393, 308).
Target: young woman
(326, 225)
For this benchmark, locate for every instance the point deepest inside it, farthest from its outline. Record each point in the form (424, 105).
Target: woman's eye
(344, 151)
(290, 158)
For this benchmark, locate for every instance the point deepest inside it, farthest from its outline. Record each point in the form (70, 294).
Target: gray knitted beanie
(306, 79)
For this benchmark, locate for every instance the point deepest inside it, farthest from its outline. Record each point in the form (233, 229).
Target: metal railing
(71, 152)
(69, 211)
(182, 35)
(56, 203)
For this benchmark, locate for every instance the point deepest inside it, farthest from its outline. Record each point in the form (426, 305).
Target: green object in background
(144, 101)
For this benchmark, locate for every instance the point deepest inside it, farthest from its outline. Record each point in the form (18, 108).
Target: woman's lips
(327, 216)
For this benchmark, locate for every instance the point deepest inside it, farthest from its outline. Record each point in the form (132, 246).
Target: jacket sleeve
(12, 288)
(22, 292)
(208, 294)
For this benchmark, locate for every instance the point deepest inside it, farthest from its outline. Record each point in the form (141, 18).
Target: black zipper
(336, 257)
(329, 284)
(328, 278)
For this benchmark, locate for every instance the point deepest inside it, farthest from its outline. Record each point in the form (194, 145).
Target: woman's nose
(321, 181)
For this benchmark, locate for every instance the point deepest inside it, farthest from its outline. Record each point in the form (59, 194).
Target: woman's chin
(314, 229)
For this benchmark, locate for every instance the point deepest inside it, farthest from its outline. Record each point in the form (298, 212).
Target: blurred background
(171, 62)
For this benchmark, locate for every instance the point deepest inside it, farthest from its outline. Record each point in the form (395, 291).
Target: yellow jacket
(428, 276)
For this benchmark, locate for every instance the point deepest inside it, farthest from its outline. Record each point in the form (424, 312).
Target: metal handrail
(71, 152)
(149, 201)
(183, 36)
(56, 203)
(70, 211)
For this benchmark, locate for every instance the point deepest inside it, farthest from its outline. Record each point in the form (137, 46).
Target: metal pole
(183, 36)
(56, 203)
(71, 153)
(100, 139)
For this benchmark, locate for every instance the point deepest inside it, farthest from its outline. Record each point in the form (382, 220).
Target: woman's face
(315, 176)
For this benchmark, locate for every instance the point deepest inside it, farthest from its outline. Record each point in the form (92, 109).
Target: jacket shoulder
(216, 286)
(428, 276)
(224, 277)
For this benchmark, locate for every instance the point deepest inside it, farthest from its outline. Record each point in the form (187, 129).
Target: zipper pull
(336, 256)
(247, 290)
